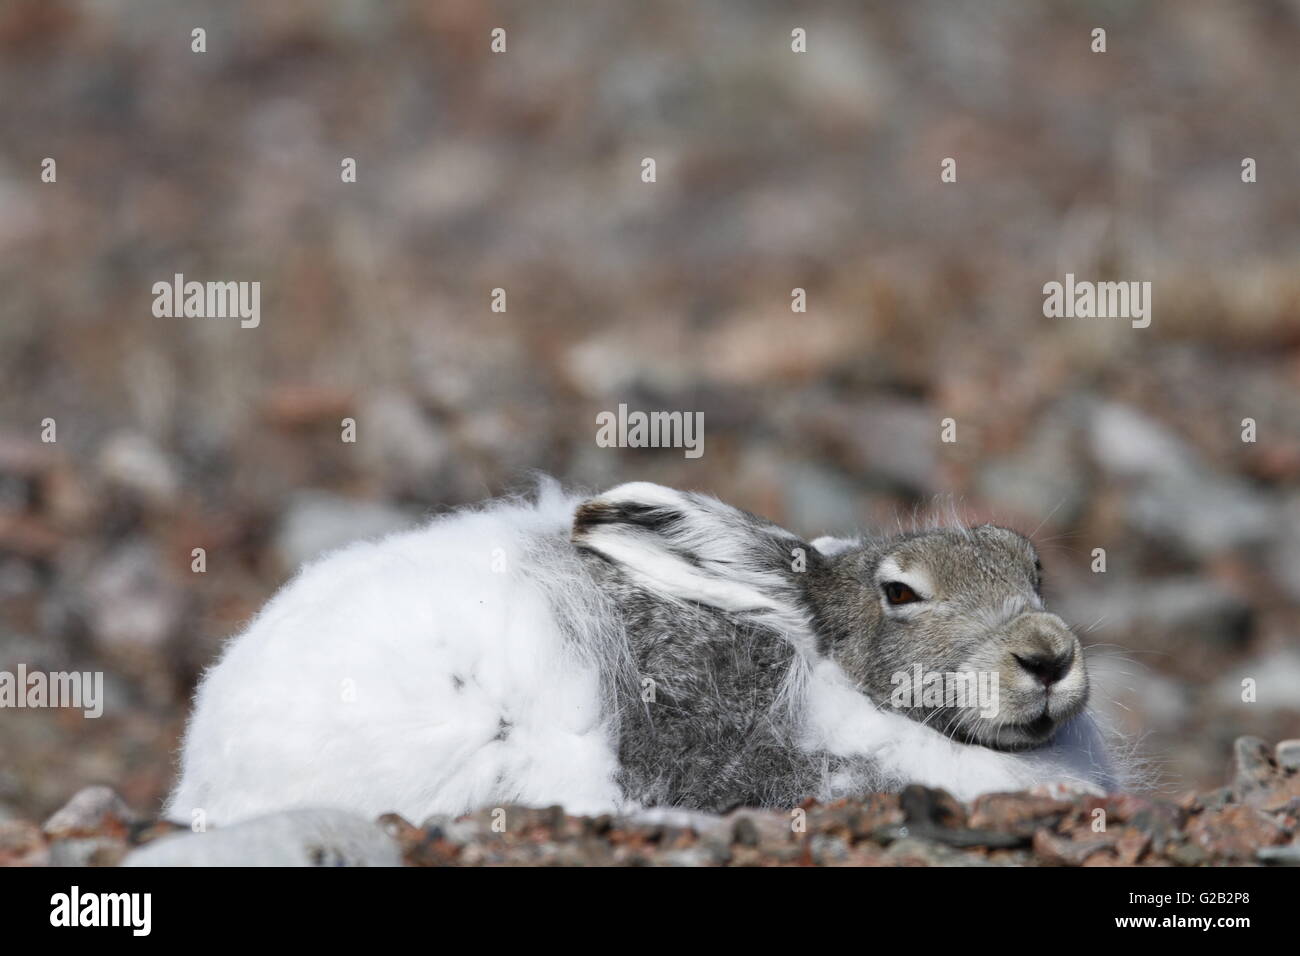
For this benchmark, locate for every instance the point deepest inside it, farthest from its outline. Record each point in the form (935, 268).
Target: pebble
(92, 810)
(1288, 855)
(920, 827)
(22, 844)
(316, 522)
(1234, 833)
(87, 851)
(291, 838)
(1254, 764)
(1067, 851)
(1288, 755)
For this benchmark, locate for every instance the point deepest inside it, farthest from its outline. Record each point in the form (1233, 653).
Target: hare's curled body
(645, 647)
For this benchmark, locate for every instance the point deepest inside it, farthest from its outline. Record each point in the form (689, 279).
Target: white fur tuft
(424, 673)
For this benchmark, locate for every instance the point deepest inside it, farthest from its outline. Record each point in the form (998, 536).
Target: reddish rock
(1064, 851)
(858, 819)
(294, 406)
(1016, 812)
(1133, 843)
(1234, 833)
(22, 844)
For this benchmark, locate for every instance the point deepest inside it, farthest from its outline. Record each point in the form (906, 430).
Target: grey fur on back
(704, 726)
(717, 734)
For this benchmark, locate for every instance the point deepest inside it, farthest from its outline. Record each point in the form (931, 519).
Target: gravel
(1254, 821)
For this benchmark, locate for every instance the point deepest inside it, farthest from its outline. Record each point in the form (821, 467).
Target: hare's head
(948, 627)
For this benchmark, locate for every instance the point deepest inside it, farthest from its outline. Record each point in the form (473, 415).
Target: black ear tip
(590, 514)
(643, 517)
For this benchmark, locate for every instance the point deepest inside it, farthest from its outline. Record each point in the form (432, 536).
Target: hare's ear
(690, 547)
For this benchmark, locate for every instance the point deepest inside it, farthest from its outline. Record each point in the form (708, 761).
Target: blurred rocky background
(521, 171)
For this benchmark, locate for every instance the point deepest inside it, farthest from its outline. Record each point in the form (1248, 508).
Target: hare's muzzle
(1043, 679)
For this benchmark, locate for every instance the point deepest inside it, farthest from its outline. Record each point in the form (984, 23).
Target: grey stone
(316, 522)
(1253, 764)
(1216, 799)
(910, 848)
(699, 821)
(1187, 854)
(1159, 702)
(291, 838)
(828, 848)
(1044, 480)
(819, 500)
(763, 829)
(745, 831)
(1128, 444)
(888, 440)
(1288, 754)
(1182, 611)
(1288, 855)
(1203, 514)
(690, 856)
(1175, 497)
(460, 832)
(90, 809)
(132, 461)
(131, 602)
(1277, 682)
(1284, 555)
(87, 851)
(398, 440)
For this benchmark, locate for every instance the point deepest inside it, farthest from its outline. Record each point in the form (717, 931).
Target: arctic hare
(643, 648)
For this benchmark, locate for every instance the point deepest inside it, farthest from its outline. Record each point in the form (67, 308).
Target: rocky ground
(1253, 820)
(521, 172)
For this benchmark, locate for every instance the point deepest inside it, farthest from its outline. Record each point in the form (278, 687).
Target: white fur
(400, 618)
(830, 546)
(843, 721)
(341, 692)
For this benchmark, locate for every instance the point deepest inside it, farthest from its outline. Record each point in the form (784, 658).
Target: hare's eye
(896, 592)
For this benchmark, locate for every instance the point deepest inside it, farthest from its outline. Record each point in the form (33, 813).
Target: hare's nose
(1048, 668)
